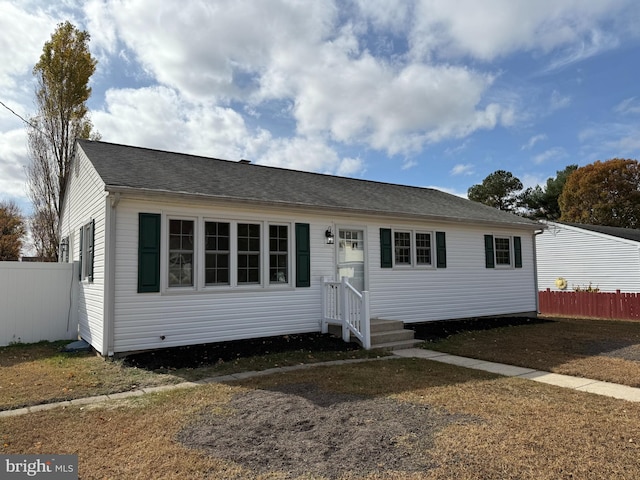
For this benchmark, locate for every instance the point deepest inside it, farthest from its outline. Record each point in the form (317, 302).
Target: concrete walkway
(614, 390)
(598, 387)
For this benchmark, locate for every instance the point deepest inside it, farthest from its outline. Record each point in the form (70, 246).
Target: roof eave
(306, 206)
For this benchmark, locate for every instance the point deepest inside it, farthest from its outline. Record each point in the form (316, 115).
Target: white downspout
(535, 269)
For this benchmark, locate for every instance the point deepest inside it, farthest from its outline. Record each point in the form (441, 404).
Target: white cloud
(309, 154)
(159, 117)
(13, 160)
(552, 153)
(214, 52)
(628, 106)
(452, 191)
(409, 163)
(462, 169)
(533, 140)
(559, 101)
(27, 30)
(531, 180)
(496, 28)
(610, 140)
(350, 167)
(368, 101)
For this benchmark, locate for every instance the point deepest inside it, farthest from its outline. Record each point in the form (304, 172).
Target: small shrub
(589, 289)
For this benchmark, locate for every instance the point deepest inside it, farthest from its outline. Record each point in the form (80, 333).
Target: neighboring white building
(604, 257)
(179, 249)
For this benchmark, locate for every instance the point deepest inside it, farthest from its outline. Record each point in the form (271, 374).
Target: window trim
(217, 252)
(165, 244)
(269, 252)
(86, 251)
(249, 252)
(509, 240)
(199, 259)
(413, 249)
(491, 251)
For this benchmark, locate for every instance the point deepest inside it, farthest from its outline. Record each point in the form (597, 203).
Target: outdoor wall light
(329, 236)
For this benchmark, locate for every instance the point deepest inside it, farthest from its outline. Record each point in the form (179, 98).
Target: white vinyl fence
(37, 302)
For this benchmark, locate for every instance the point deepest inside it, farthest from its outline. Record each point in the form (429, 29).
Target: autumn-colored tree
(62, 75)
(499, 190)
(12, 231)
(603, 193)
(542, 202)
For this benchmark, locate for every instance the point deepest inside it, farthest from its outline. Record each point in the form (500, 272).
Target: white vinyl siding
(464, 289)
(583, 257)
(86, 203)
(219, 312)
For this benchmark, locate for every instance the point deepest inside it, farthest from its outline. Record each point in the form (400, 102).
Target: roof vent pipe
(245, 162)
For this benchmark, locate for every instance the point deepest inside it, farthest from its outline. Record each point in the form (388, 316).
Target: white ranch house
(604, 257)
(178, 249)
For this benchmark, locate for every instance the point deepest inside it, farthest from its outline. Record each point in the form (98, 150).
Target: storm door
(351, 255)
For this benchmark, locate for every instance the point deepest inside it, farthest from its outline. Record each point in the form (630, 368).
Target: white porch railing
(344, 305)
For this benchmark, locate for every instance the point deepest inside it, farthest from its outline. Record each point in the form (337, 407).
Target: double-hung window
(278, 254)
(413, 249)
(86, 251)
(217, 243)
(503, 251)
(249, 253)
(181, 250)
(402, 248)
(207, 254)
(423, 249)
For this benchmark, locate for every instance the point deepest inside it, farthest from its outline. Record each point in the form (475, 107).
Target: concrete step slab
(379, 325)
(401, 345)
(391, 336)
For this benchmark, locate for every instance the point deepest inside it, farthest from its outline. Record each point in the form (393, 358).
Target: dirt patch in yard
(303, 430)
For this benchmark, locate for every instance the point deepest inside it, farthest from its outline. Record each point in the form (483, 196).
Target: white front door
(351, 257)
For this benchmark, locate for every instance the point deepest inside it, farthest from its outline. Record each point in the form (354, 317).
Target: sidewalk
(598, 387)
(614, 390)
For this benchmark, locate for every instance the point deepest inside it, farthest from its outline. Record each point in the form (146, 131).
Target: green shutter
(303, 255)
(441, 250)
(517, 249)
(80, 253)
(488, 251)
(386, 248)
(91, 249)
(148, 252)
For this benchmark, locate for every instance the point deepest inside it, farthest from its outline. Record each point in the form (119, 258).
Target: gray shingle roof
(626, 233)
(125, 167)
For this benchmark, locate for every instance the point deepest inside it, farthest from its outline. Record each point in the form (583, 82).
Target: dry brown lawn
(40, 373)
(31, 374)
(500, 428)
(597, 349)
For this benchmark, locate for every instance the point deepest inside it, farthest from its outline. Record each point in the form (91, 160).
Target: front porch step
(385, 334)
(397, 345)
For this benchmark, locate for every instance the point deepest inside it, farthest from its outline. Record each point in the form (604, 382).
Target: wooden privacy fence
(619, 306)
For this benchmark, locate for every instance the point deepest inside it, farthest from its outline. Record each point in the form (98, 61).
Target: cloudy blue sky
(427, 92)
